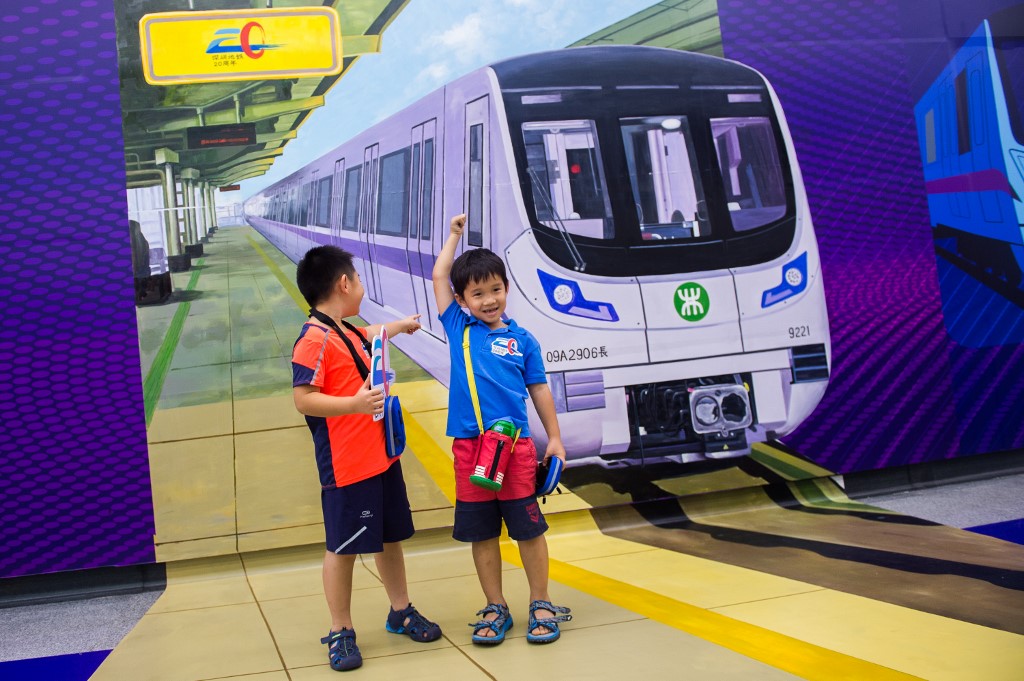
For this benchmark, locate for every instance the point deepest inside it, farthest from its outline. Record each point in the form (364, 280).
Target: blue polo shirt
(505, 361)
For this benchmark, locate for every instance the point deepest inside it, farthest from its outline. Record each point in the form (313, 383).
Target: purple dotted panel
(74, 463)
(901, 391)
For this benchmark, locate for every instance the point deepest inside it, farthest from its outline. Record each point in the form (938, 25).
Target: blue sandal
(551, 623)
(342, 650)
(499, 625)
(418, 627)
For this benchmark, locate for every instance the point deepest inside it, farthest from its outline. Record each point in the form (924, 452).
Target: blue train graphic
(653, 220)
(970, 132)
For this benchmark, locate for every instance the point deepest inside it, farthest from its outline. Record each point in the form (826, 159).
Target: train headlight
(794, 281)
(564, 296)
(720, 408)
(706, 411)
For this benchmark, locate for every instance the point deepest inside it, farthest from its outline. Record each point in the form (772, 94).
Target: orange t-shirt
(349, 448)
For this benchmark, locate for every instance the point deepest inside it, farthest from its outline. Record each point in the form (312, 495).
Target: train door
(337, 187)
(476, 196)
(421, 222)
(368, 222)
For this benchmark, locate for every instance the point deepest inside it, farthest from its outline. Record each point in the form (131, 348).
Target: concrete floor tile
(194, 644)
(282, 537)
(267, 413)
(277, 483)
(639, 649)
(191, 423)
(890, 635)
(193, 489)
(446, 664)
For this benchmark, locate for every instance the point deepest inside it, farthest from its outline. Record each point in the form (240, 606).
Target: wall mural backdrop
(74, 462)
(640, 196)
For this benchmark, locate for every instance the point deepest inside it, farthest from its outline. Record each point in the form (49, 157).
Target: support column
(176, 260)
(192, 244)
(211, 204)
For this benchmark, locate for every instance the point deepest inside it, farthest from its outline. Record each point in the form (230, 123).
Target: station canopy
(165, 116)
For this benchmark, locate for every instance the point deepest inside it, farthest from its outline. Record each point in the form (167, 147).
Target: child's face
(486, 300)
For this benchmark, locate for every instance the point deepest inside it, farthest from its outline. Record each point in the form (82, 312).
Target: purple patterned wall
(901, 391)
(73, 464)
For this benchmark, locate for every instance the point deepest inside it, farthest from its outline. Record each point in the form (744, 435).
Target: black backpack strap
(359, 333)
(360, 364)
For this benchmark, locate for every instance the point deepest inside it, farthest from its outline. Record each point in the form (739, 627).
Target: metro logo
(244, 45)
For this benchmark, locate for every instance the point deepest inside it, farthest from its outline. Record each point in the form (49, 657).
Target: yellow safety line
(764, 645)
(785, 464)
(435, 460)
(291, 288)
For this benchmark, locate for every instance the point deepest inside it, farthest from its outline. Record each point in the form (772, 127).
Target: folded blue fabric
(549, 472)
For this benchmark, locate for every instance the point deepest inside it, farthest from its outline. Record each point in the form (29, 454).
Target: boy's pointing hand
(410, 324)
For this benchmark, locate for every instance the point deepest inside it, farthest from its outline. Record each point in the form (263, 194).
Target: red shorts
(520, 475)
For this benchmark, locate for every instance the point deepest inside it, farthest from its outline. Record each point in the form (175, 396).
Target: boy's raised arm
(443, 265)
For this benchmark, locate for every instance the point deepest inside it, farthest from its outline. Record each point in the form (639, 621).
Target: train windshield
(664, 178)
(1008, 42)
(636, 179)
(564, 165)
(749, 163)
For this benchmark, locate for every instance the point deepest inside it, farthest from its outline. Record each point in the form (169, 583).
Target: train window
(414, 212)
(428, 188)
(749, 161)
(663, 172)
(564, 165)
(963, 123)
(393, 197)
(304, 194)
(929, 136)
(475, 219)
(323, 202)
(350, 204)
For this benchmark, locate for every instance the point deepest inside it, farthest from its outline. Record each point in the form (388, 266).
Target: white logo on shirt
(506, 346)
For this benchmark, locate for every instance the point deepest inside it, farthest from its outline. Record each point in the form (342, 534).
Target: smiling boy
(507, 367)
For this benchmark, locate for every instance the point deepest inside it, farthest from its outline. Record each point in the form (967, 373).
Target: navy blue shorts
(481, 520)
(363, 516)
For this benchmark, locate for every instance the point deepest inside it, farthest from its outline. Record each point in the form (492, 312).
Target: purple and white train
(653, 219)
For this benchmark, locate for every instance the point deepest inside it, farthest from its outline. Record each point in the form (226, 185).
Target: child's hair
(319, 270)
(476, 265)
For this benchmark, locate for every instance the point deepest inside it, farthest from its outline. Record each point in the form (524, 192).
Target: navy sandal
(342, 650)
(550, 623)
(418, 627)
(499, 625)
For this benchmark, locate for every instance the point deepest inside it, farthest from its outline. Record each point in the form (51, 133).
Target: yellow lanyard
(472, 386)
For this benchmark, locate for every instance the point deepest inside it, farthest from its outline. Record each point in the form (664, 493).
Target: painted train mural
(972, 147)
(653, 219)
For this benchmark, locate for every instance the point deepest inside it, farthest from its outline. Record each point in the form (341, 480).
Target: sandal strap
(497, 608)
(561, 615)
(418, 623)
(340, 643)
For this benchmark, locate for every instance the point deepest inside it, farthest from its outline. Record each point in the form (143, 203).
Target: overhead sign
(231, 188)
(224, 45)
(231, 135)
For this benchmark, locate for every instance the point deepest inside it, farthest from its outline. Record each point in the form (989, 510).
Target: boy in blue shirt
(508, 368)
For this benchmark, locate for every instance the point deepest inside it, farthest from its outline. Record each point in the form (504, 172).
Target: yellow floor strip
(785, 464)
(435, 460)
(286, 283)
(777, 650)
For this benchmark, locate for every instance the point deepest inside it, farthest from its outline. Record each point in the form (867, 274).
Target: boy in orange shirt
(365, 506)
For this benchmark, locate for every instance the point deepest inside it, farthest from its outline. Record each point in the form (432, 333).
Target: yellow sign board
(222, 45)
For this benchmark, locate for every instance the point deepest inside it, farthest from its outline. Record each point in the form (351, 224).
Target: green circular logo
(692, 301)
